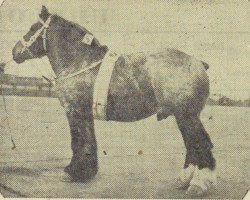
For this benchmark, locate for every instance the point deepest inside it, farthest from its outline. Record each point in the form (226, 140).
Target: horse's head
(64, 42)
(33, 44)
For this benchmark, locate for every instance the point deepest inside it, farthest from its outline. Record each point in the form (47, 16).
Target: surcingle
(130, 89)
(101, 87)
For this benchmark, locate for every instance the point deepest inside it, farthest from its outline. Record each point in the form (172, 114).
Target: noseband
(33, 38)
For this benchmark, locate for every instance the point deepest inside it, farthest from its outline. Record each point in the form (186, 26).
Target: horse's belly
(131, 108)
(131, 96)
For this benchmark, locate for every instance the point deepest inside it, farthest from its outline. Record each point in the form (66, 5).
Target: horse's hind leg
(83, 165)
(198, 173)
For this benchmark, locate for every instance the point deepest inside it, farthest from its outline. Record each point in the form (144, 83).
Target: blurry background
(216, 32)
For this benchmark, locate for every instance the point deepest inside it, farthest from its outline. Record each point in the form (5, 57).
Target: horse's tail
(205, 65)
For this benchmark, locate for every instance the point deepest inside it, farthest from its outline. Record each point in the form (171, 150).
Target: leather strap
(101, 88)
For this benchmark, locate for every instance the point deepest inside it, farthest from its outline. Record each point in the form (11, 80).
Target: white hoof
(185, 177)
(202, 181)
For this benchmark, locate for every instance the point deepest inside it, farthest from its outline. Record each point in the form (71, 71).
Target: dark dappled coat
(139, 86)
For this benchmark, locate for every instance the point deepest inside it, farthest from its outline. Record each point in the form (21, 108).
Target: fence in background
(25, 86)
(39, 87)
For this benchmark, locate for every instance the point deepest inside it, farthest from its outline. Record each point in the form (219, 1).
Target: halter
(33, 38)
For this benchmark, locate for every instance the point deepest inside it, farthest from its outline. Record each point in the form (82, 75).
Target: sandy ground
(41, 134)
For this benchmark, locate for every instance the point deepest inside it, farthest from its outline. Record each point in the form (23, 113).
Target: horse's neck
(64, 61)
(64, 57)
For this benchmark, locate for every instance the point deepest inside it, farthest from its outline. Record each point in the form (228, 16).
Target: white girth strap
(101, 87)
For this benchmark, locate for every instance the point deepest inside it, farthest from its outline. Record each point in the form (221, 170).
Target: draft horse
(166, 82)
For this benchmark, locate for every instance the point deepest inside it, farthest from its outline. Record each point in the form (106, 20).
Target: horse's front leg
(84, 163)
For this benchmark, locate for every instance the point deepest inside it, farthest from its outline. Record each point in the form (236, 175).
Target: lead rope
(5, 106)
(7, 119)
(6, 110)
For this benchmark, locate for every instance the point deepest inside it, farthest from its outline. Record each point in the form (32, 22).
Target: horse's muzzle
(17, 53)
(18, 60)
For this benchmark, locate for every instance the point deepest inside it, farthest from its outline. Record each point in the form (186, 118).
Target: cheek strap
(33, 38)
(88, 39)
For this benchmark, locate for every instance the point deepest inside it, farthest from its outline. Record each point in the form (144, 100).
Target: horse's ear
(44, 13)
(95, 42)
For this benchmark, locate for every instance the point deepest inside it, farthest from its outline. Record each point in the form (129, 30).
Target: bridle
(33, 38)
(43, 31)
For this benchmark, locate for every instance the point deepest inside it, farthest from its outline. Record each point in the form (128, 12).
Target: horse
(165, 82)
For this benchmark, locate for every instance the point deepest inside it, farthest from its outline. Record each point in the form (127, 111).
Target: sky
(215, 31)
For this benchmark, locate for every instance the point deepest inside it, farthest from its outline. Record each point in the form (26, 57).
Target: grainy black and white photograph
(124, 99)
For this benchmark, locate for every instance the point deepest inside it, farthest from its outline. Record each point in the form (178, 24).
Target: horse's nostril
(17, 58)
(17, 50)
(15, 55)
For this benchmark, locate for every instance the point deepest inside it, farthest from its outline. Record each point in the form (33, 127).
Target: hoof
(79, 176)
(185, 177)
(203, 180)
(195, 191)
(82, 173)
